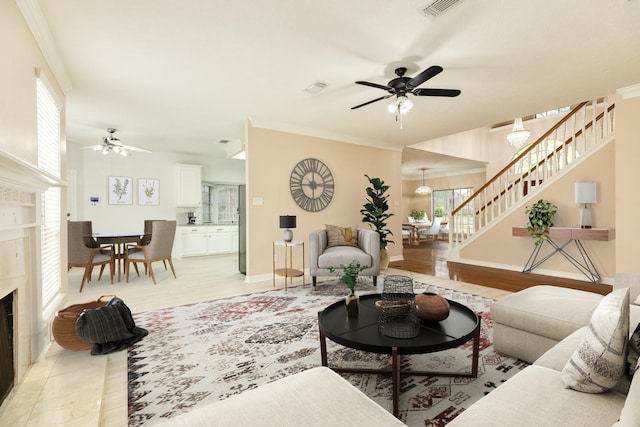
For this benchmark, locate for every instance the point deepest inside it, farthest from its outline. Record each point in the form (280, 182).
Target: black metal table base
(585, 265)
(395, 370)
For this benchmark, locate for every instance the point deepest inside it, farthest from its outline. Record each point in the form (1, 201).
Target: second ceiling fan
(401, 86)
(112, 144)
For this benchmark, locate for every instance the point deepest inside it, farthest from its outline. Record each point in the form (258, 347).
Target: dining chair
(406, 233)
(431, 232)
(84, 251)
(158, 249)
(144, 240)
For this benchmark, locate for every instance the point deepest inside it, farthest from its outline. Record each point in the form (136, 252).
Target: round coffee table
(362, 333)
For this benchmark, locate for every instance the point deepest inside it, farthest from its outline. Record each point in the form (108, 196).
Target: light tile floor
(76, 389)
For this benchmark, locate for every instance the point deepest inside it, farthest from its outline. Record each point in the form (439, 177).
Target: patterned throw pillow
(341, 236)
(599, 361)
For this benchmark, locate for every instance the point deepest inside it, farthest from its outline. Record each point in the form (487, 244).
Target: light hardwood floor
(76, 389)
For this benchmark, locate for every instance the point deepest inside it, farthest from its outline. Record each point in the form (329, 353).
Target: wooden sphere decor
(431, 307)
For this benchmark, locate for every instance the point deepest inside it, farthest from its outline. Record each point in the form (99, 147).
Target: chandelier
(423, 189)
(518, 136)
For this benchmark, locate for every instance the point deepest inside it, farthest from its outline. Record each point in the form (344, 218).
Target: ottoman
(528, 323)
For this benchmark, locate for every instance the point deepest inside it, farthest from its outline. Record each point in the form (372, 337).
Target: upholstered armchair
(322, 256)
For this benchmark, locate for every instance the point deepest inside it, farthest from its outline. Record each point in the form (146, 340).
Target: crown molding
(629, 91)
(39, 27)
(319, 133)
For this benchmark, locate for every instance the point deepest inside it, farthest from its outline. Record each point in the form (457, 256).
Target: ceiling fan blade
(377, 86)
(92, 147)
(437, 92)
(372, 101)
(129, 147)
(430, 72)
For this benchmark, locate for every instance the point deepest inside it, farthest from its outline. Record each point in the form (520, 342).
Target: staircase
(586, 127)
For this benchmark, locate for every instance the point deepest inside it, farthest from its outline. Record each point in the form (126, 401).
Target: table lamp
(585, 194)
(287, 222)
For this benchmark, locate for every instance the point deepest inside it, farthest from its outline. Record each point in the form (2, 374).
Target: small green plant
(349, 273)
(416, 214)
(540, 216)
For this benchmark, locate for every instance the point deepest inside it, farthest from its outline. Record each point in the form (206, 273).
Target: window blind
(49, 161)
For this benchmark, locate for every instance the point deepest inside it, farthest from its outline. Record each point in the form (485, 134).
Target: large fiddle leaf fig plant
(375, 210)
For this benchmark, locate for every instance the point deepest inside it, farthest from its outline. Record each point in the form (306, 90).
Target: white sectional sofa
(544, 325)
(317, 397)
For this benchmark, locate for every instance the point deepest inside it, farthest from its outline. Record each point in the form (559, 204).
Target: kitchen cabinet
(218, 240)
(209, 240)
(194, 241)
(189, 185)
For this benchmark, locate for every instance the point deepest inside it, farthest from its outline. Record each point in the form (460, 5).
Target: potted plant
(348, 275)
(540, 216)
(374, 212)
(417, 215)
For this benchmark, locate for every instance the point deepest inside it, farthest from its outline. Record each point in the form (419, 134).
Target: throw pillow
(599, 360)
(634, 351)
(340, 236)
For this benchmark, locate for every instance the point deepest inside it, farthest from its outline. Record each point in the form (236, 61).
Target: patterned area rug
(201, 353)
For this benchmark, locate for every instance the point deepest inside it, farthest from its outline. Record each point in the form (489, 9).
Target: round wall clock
(311, 185)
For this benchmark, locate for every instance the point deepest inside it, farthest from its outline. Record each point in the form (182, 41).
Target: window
(48, 113)
(444, 201)
(552, 112)
(219, 203)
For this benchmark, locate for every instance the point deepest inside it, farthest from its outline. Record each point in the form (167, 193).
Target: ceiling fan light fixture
(405, 105)
(120, 150)
(400, 105)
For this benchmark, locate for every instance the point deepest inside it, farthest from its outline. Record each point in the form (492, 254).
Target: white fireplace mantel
(21, 184)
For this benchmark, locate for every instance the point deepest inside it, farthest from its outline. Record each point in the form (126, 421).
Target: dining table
(118, 240)
(414, 235)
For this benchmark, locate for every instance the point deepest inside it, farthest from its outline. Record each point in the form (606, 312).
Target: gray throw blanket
(111, 328)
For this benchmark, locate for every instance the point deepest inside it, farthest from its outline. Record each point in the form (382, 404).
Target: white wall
(94, 169)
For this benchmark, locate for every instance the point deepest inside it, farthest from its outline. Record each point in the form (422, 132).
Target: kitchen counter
(208, 225)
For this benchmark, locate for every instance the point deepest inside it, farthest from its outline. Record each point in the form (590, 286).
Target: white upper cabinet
(189, 185)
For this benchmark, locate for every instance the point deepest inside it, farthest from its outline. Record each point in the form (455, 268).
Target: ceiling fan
(112, 144)
(401, 86)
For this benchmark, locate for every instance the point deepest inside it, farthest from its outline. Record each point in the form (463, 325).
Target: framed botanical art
(120, 190)
(148, 192)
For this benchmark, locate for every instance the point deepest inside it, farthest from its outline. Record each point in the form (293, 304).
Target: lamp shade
(585, 192)
(287, 221)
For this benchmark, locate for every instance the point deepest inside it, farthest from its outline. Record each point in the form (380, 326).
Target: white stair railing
(585, 127)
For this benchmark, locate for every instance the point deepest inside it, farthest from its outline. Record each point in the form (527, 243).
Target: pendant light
(423, 189)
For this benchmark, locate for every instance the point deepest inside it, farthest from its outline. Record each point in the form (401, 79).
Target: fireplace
(7, 372)
(24, 322)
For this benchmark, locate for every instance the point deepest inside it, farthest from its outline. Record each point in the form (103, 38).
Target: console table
(570, 235)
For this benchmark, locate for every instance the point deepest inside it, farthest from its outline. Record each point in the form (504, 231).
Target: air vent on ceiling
(438, 7)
